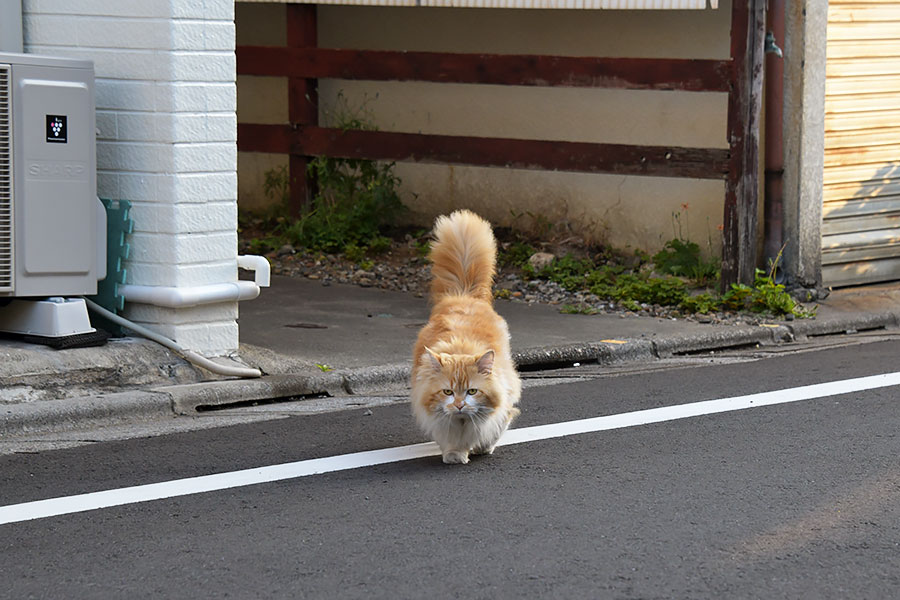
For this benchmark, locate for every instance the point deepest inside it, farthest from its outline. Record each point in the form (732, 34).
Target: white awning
(543, 4)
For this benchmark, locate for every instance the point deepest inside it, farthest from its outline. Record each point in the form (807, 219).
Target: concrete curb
(718, 339)
(64, 415)
(191, 398)
(199, 397)
(845, 323)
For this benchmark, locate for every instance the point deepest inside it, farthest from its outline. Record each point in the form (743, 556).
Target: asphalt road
(793, 500)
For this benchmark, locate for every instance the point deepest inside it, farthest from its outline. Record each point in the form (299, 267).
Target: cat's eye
(471, 391)
(447, 392)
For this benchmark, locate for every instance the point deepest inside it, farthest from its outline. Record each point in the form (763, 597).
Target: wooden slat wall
(861, 212)
(303, 62)
(538, 4)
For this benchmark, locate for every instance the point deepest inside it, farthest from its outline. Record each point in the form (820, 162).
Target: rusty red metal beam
(527, 70)
(661, 161)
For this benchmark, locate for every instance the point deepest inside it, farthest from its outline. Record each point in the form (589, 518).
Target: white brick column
(166, 115)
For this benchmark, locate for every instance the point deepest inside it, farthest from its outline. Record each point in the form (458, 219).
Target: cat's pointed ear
(433, 359)
(486, 363)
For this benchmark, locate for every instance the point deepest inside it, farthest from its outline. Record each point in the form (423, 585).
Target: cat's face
(460, 386)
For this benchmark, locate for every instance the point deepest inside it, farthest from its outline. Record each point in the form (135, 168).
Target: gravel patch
(403, 270)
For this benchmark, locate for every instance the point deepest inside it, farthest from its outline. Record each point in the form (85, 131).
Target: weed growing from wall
(356, 200)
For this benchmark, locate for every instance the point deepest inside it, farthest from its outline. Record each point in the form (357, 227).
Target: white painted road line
(65, 505)
(696, 409)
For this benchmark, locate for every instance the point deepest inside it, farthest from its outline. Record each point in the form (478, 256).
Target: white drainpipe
(182, 297)
(259, 265)
(189, 355)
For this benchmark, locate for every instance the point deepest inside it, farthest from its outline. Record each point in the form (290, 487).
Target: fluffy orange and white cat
(464, 383)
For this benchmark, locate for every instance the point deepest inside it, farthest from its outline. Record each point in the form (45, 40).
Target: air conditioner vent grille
(6, 183)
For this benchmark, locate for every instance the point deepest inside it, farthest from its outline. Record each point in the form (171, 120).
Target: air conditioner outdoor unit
(52, 225)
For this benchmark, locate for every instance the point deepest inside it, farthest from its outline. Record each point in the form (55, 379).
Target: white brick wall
(166, 103)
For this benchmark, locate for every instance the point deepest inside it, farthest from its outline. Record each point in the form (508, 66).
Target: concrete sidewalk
(311, 339)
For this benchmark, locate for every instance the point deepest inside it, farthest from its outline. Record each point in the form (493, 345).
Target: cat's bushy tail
(463, 257)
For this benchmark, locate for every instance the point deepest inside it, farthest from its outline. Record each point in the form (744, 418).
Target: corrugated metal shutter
(861, 212)
(544, 4)
(6, 183)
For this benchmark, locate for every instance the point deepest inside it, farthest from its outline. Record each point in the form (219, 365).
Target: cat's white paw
(487, 450)
(456, 457)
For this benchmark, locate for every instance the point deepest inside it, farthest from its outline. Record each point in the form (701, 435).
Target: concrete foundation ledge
(34, 373)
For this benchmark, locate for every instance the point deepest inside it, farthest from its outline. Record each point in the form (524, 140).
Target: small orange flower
(685, 206)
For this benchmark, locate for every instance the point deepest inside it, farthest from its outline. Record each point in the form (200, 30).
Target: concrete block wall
(166, 116)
